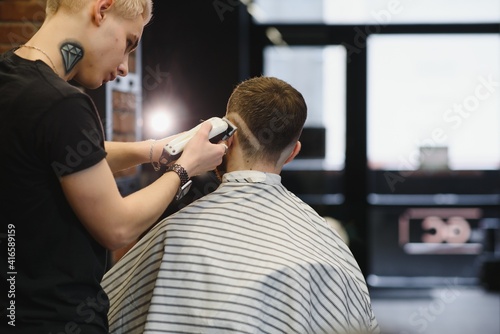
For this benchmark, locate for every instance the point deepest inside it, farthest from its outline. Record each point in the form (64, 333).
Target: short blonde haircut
(127, 9)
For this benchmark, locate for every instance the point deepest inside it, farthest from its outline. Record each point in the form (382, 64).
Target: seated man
(249, 257)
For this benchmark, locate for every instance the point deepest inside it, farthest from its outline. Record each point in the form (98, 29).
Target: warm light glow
(159, 122)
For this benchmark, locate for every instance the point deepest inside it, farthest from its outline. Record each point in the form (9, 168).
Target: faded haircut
(269, 114)
(127, 9)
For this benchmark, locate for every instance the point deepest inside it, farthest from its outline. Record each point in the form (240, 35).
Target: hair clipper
(222, 129)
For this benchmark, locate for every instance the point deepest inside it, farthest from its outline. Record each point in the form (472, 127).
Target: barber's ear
(99, 10)
(295, 151)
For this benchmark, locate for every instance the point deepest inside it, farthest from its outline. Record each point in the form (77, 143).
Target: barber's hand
(200, 155)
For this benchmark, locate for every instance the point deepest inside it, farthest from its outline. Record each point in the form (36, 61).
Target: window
(374, 11)
(319, 73)
(433, 102)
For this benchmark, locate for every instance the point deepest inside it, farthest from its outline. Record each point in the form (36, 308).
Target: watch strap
(184, 177)
(179, 170)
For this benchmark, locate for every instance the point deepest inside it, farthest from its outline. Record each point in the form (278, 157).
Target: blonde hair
(127, 9)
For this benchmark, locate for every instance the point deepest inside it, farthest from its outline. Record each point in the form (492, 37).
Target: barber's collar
(251, 176)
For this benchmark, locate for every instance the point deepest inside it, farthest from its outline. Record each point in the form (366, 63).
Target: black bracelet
(183, 175)
(185, 181)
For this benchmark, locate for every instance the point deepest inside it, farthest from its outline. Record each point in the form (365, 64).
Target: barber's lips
(111, 77)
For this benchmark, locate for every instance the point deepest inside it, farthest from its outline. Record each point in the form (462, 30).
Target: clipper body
(222, 129)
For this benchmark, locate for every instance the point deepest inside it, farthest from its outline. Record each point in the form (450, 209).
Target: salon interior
(401, 149)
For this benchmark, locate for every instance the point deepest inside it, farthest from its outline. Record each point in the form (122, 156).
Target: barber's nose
(123, 68)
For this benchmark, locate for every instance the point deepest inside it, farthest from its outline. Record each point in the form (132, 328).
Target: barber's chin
(89, 85)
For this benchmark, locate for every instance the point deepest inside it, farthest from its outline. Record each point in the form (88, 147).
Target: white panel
(381, 12)
(319, 73)
(437, 91)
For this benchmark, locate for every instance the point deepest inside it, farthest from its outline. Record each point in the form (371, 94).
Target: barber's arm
(123, 155)
(116, 221)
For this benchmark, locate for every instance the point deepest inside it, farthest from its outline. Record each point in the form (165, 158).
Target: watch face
(183, 190)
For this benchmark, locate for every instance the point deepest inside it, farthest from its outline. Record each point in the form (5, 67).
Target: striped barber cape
(250, 257)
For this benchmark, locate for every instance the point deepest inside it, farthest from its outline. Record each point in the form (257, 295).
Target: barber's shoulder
(63, 91)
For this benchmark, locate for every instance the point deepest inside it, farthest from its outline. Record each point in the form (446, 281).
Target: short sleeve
(72, 136)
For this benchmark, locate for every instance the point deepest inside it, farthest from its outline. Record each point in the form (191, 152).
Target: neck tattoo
(43, 52)
(72, 53)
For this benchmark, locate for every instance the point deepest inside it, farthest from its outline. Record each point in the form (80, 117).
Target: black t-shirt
(50, 266)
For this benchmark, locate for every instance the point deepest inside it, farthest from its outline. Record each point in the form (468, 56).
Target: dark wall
(190, 53)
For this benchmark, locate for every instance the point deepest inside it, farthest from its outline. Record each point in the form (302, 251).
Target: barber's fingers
(204, 131)
(205, 128)
(225, 147)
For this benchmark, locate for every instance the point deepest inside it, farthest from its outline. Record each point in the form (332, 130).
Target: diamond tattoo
(72, 53)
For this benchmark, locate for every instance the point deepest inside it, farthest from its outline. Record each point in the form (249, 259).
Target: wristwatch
(185, 181)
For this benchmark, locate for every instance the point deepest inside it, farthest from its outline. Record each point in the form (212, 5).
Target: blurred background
(401, 147)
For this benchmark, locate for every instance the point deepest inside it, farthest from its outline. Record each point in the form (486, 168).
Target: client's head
(270, 115)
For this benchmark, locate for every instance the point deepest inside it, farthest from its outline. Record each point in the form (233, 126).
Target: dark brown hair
(269, 114)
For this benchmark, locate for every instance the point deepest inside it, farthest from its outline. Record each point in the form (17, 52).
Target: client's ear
(229, 140)
(295, 151)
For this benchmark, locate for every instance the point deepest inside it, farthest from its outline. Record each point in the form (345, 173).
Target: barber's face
(108, 58)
